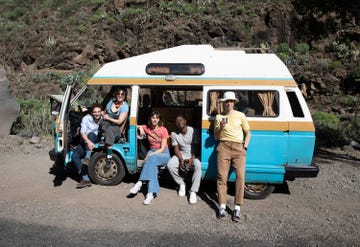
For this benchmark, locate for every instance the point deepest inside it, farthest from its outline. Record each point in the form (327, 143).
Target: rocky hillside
(45, 44)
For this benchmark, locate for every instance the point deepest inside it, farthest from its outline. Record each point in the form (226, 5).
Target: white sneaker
(148, 198)
(135, 189)
(182, 190)
(193, 198)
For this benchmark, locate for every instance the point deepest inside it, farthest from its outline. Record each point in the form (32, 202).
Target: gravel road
(39, 209)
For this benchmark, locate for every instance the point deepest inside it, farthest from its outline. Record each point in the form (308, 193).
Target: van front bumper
(292, 172)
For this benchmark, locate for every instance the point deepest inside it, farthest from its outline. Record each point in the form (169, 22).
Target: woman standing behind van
(158, 155)
(114, 118)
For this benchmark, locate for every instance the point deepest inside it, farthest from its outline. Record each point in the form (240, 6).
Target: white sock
(138, 184)
(223, 206)
(237, 207)
(149, 195)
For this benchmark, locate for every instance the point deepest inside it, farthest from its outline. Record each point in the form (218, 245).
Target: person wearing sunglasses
(114, 119)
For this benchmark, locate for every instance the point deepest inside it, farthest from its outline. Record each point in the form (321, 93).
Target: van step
(141, 163)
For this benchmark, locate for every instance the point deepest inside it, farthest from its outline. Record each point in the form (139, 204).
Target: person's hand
(106, 117)
(182, 164)
(91, 146)
(222, 124)
(189, 163)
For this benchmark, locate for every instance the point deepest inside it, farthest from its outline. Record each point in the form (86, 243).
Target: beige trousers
(231, 153)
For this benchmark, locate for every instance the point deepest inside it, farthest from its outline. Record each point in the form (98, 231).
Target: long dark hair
(157, 114)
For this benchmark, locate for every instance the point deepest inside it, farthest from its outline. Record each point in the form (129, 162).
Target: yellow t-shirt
(233, 130)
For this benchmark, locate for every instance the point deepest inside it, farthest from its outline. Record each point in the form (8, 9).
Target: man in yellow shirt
(229, 129)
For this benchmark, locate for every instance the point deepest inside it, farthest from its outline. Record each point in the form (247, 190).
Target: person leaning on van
(229, 129)
(114, 118)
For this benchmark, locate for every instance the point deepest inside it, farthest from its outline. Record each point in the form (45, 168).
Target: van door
(301, 130)
(268, 149)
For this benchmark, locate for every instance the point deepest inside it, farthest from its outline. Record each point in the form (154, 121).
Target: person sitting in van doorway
(158, 155)
(186, 143)
(89, 136)
(114, 119)
(229, 129)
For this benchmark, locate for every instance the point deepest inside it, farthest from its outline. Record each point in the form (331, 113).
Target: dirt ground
(318, 211)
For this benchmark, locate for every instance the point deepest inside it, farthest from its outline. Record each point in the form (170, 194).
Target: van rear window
(254, 103)
(175, 69)
(295, 104)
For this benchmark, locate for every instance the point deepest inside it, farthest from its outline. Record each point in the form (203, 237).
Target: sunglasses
(120, 93)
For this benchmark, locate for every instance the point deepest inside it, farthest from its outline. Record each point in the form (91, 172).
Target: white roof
(218, 63)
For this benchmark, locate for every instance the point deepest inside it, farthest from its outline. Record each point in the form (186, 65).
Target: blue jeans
(149, 171)
(80, 152)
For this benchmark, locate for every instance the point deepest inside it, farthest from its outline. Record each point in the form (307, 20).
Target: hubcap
(105, 173)
(255, 188)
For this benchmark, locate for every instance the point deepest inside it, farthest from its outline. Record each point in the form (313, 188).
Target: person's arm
(247, 138)
(87, 141)
(162, 148)
(84, 129)
(178, 154)
(123, 116)
(141, 131)
(195, 147)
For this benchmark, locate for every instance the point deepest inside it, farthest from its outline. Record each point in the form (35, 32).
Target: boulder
(9, 109)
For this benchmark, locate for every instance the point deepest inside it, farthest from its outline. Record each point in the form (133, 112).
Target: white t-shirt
(185, 142)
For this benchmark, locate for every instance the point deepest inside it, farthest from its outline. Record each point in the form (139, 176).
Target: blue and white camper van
(189, 80)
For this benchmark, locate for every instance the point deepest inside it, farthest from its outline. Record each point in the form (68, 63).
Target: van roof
(230, 66)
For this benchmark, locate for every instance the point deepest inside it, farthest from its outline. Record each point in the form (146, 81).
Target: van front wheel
(258, 191)
(99, 174)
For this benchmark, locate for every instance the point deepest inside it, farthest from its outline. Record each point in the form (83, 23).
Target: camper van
(189, 80)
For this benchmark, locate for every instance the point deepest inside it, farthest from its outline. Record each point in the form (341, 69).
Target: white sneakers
(148, 198)
(182, 190)
(135, 189)
(193, 198)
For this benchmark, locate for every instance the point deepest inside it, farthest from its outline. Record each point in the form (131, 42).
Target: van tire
(102, 176)
(258, 191)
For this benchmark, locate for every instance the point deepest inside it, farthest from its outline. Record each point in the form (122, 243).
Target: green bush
(302, 48)
(355, 73)
(352, 129)
(328, 130)
(284, 48)
(34, 117)
(334, 65)
(348, 100)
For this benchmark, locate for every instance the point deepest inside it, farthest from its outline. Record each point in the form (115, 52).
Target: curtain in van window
(215, 106)
(267, 100)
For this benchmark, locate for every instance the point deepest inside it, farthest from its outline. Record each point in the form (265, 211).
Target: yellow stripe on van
(301, 126)
(132, 120)
(271, 125)
(193, 82)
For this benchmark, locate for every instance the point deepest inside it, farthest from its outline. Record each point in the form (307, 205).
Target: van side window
(170, 102)
(295, 104)
(254, 103)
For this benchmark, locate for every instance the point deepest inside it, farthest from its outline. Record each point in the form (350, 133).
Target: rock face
(9, 109)
(59, 42)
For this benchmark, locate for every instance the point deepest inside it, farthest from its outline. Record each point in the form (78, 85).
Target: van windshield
(92, 95)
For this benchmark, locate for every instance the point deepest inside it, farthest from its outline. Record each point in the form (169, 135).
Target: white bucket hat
(229, 96)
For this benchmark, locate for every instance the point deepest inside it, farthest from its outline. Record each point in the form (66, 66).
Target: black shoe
(222, 213)
(236, 215)
(83, 184)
